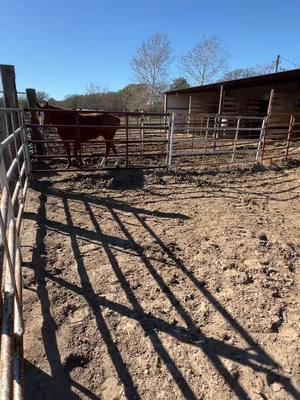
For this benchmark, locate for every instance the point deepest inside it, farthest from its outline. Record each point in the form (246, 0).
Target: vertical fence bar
(16, 142)
(127, 145)
(262, 140)
(214, 133)
(235, 139)
(290, 131)
(12, 238)
(142, 133)
(77, 145)
(18, 363)
(46, 136)
(11, 357)
(170, 142)
(205, 139)
(193, 130)
(24, 141)
(7, 333)
(18, 368)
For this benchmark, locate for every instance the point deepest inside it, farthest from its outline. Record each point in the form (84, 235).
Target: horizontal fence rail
(141, 141)
(14, 180)
(223, 139)
(282, 137)
(154, 140)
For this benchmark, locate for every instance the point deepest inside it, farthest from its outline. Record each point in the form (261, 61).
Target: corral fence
(215, 139)
(144, 140)
(281, 138)
(152, 140)
(14, 180)
(141, 141)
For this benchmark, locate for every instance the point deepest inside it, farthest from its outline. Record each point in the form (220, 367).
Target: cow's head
(40, 114)
(43, 117)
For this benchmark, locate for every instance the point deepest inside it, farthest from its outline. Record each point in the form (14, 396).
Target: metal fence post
(142, 131)
(235, 139)
(261, 140)
(170, 142)
(290, 131)
(24, 140)
(127, 144)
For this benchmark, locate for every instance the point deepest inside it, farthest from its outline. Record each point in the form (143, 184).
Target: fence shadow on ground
(214, 349)
(46, 386)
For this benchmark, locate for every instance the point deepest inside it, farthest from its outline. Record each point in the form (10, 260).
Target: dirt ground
(141, 285)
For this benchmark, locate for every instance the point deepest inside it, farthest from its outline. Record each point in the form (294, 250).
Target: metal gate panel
(14, 179)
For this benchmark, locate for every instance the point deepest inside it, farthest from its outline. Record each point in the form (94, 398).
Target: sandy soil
(141, 285)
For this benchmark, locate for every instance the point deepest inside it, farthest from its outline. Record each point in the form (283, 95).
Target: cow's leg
(68, 152)
(115, 153)
(104, 159)
(76, 153)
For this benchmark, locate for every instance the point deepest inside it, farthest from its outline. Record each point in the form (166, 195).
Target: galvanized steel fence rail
(14, 180)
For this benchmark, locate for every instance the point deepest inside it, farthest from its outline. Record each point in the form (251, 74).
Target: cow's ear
(46, 105)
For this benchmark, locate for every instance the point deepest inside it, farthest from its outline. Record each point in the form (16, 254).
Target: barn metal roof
(259, 80)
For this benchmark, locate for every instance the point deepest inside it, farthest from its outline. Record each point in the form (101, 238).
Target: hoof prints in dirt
(74, 361)
(184, 288)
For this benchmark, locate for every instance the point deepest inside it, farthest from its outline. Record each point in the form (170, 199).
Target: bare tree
(134, 97)
(94, 97)
(72, 101)
(259, 69)
(150, 64)
(205, 61)
(42, 96)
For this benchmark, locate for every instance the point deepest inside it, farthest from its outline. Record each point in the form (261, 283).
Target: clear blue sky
(60, 46)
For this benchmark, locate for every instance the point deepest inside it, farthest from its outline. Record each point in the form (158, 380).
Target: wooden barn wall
(254, 101)
(246, 101)
(285, 98)
(251, 101)
(180, 106)
(206, 103)
(178, 103)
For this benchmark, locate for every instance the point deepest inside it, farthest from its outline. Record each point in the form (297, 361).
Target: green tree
(179, 83)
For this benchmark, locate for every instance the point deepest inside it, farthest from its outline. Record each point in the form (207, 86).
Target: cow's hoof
(103, 163)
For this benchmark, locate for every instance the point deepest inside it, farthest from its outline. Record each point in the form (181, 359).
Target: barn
(255, 96)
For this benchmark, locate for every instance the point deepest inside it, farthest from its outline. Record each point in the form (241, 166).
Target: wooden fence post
(35, 132)
(10, 97)
(10, 100)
